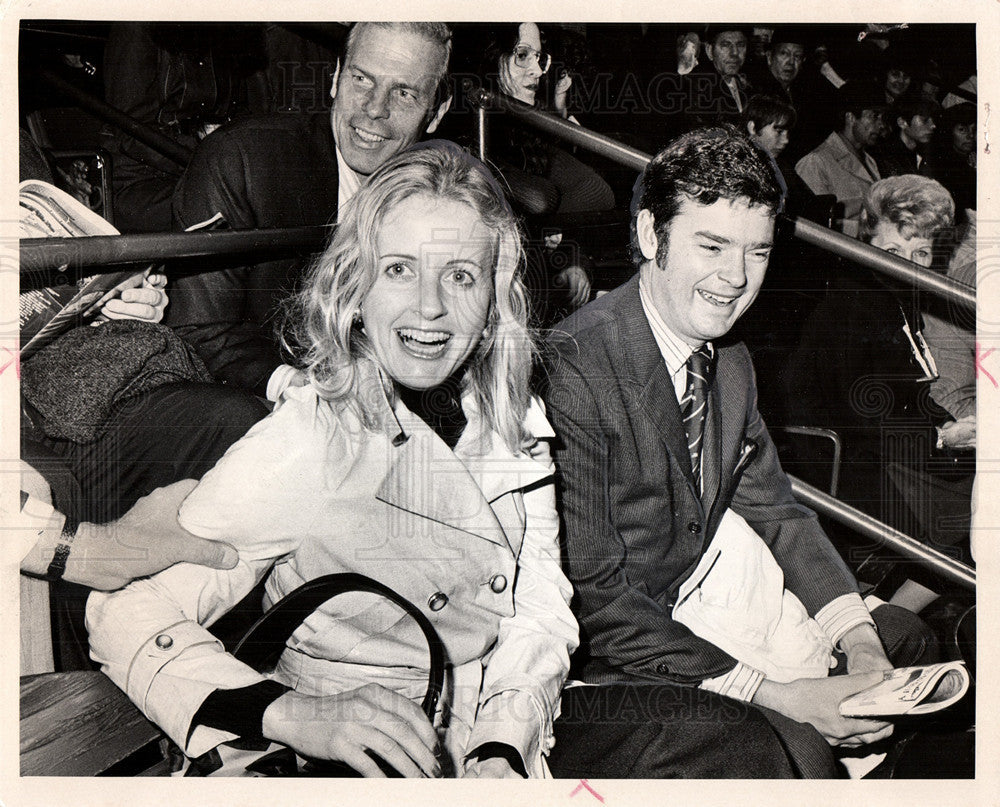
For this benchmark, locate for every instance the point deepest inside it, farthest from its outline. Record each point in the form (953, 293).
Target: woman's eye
(714, 248)
(462, 277)
(397, 270)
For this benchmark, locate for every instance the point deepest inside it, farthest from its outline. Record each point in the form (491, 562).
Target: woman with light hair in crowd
(412, 454)
(865, 370)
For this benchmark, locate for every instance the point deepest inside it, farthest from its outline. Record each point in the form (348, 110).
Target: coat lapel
(464, 489)
(850, 162)
(427, 479)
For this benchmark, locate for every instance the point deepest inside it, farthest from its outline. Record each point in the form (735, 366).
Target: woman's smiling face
(426, 312)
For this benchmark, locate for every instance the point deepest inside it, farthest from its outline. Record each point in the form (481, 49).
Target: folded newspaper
(48, 212)
(910, 691)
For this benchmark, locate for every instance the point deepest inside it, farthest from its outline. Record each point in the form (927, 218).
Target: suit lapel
(724, 428)
(711, 452)
(648, 371)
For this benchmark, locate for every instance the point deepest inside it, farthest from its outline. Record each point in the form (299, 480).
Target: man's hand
(146, 540)
(561, 93)
(140, 297)
(492, 768)
(864, 650)
(345, 726)
(577, 285)
(816, 701)
(960, 434)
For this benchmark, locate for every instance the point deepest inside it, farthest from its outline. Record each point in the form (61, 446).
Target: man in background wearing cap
(784, 57)
(782, 73)
(841, 164)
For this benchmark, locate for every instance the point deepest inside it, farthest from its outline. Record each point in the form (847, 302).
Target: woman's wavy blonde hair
(322, 326)
(916, 205)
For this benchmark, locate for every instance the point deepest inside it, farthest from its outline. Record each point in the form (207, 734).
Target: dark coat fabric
(634, 525)
(266, 171)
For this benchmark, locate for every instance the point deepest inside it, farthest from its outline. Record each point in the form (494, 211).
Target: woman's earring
(356, 319)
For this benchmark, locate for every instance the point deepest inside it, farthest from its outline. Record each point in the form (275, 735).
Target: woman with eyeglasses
(544, 178)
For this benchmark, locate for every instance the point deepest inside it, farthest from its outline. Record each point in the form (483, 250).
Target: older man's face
(728, 52)
(785, 61)
(383, 95)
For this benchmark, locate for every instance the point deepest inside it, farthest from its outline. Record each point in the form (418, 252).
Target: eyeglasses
(523, 55)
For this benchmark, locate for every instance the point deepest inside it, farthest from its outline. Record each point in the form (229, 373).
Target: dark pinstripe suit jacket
(634, 527)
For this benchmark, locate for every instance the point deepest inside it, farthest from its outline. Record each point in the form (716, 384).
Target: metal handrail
(841, 245)
(887, 536)
(42, 257)
(39, 258)
(826, 434)
(580, 136)
(827, 239)
(169, 148)
(884, 262)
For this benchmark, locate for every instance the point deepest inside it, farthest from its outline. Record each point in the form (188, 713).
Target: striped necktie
(694, 405)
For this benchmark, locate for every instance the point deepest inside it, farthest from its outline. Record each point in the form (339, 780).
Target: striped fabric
(694, 405)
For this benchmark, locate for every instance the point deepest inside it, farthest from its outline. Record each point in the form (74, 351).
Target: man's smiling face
(713, 267)
(384, 93)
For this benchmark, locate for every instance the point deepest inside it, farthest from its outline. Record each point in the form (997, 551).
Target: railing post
(482, 133)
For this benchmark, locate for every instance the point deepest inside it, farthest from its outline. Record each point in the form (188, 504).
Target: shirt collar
(675, 351)
(349, 182)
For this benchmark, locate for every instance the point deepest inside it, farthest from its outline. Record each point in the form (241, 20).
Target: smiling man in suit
(291, 170)
(659, 443)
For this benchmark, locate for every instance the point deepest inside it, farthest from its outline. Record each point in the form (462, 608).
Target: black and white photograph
(588, 395)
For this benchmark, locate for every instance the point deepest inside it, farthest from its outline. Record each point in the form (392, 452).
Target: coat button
(662, 668)
(498, 583)
(164, 642)
(437, 601)
(694, 527)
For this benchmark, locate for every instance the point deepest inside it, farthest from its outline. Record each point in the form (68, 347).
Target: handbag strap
(266, 639)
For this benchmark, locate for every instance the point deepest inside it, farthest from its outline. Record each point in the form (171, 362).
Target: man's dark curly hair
(705, 165)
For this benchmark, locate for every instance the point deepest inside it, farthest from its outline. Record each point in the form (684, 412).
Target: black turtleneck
(439, 407)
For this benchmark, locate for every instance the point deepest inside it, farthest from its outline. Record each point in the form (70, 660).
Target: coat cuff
(514, 718)
(841, 614)
(741, 682)
(161, 684)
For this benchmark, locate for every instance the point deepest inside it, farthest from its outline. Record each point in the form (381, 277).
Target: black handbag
(263, 643)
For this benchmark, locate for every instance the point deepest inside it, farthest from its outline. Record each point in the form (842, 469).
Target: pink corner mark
(583, 785)
(981, 356)
(15, 359)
